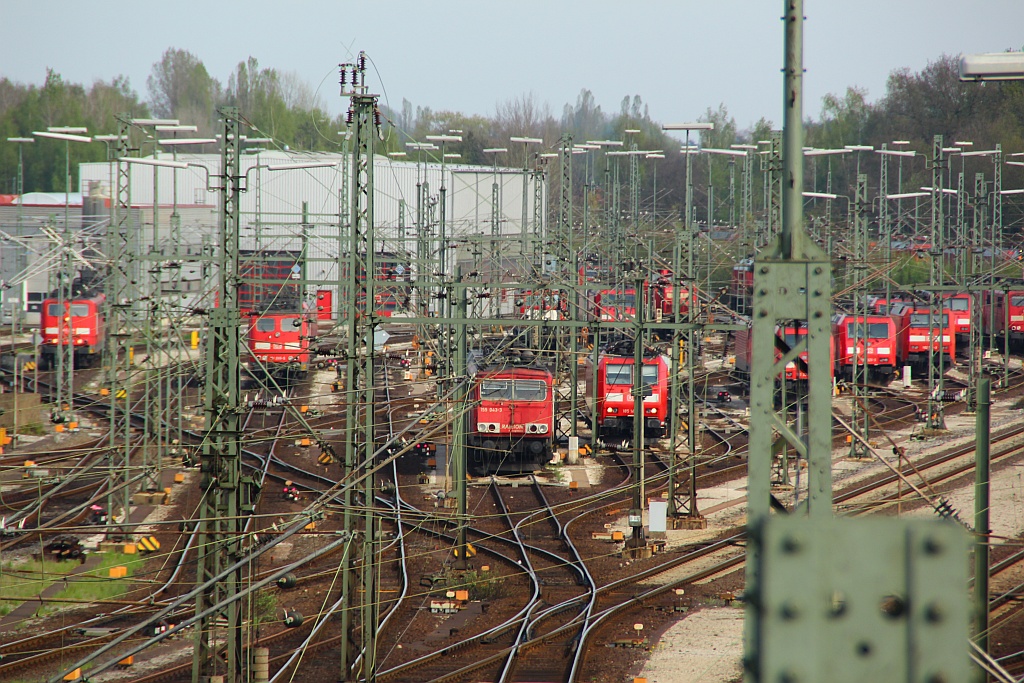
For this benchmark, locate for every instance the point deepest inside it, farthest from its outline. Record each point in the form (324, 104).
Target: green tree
(585, 121)
(180, 87)
(844, 119)
(724, 132)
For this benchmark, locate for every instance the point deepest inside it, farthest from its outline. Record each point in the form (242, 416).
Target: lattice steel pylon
(567, 263)
(120, 240)
(359, 385)
(861, 329)
(935, 418)
(65, 358)
(227, 495)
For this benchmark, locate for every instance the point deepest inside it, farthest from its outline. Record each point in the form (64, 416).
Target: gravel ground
(708, 649)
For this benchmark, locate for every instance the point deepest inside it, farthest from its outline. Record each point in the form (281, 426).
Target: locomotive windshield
(266, 324)
(618, 299)
(77, 310)
(958, 304)
(921, 320)
(623, 374)
(874, 330)
(1017, 300)
(792, 338)
(530, 390)
(507, 390)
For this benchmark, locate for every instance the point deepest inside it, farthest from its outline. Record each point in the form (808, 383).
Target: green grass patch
(264, 607)
(32, 429)
(482, 585)
(24, 580)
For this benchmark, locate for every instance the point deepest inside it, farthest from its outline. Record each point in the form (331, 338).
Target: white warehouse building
(278, 203)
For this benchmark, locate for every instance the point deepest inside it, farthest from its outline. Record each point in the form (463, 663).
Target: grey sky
(681, 57)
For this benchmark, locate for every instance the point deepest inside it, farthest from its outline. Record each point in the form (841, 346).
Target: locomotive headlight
(611, 410)
(652, 411)
(537, 428)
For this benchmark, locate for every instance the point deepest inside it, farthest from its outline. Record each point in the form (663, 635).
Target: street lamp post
(495, 255)
(66, 326)
(654, 193)
(885, 221)
(611, 217)
(442, 217)
(694, 518)
(523, 232)
(423, 273)
(20, 190)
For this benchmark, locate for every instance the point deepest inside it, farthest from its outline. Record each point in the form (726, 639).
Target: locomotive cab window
(266, 324)
(623, 300)
(77, 310)
(792, 338)
(290, 324)
(619, 374)
(623, 374)
(530, 390)
(495, 390)
(519, 390)
(1017, 300)
(921, 320)
(874, 330)
(958, 304)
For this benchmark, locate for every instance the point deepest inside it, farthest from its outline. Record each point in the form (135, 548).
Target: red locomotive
(541, 304)
(912, 330)
(741, 287)
(391, 288)
(1004, 312)
(620, 304)
(960, 308)
(268, 279)
(879, 305)
(614, 411)
(280, 343)
(875, 333)
(512, 423)
(789, 335)
(615, 304)
(78, 322)
(664, 294)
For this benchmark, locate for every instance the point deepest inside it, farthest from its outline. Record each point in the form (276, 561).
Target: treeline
(282, 105)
